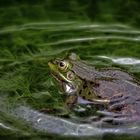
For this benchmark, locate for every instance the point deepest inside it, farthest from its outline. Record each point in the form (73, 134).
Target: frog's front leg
(71, 100)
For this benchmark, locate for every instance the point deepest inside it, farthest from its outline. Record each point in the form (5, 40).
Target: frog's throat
(69, 88)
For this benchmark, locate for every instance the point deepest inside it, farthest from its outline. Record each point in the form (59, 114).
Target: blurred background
(106, 11)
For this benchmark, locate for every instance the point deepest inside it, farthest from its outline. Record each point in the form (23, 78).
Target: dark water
(103, 33)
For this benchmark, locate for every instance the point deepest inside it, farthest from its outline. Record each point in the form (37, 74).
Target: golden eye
(62, 65)
(70, 75)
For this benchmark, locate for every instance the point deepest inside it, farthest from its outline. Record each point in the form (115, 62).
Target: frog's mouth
(65, 85)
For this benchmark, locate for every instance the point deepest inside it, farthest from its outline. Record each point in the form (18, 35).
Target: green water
(103, 33)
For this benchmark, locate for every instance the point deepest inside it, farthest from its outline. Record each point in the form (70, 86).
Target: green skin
(114, 89)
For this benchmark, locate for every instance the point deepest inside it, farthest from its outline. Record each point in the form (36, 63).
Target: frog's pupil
(61, 64)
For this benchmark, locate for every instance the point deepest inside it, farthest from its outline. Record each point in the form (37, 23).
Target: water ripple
(67, 26)
(47, 123)
(86, 39)
(123, 61)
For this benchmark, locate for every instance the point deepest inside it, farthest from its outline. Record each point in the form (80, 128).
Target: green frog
(115, 90)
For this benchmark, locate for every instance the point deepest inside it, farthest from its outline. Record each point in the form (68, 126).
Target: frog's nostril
(51, 62)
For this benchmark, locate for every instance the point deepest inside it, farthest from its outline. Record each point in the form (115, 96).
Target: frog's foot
(114, 121)
(117, 107)
(114, 118)
(119, 102)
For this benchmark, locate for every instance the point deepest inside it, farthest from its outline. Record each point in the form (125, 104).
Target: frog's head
(61, 69)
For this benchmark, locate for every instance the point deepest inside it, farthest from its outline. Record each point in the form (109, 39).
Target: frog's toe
(108, 113)
(117, 99)
(112, 120)
(116, 106)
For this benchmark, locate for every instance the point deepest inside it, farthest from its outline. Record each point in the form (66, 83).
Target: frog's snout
(52, 65)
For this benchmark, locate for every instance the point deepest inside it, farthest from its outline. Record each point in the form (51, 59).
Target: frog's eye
(70, 75)
(62, 65)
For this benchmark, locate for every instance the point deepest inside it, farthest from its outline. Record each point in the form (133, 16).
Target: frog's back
(89, 73)
(117, 73)
(108, 89)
